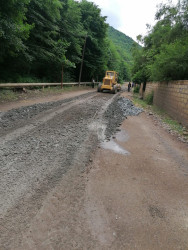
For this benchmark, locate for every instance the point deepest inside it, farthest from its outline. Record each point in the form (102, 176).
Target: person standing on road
(129, 86)
(93, 83)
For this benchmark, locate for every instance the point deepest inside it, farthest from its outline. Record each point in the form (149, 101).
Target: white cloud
(130, 16)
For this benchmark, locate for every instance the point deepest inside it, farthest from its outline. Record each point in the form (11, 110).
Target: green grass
(173, 124)
(139, 102)
(7, 95)
(149, 98)
(59, 90)
(136, 89)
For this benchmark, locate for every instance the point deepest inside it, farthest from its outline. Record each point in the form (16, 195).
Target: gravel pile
(117, 112)
(128, 108)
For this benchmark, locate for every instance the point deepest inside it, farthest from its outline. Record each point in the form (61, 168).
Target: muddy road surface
(74, 175)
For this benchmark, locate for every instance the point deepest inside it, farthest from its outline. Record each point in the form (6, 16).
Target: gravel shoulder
(63, 186)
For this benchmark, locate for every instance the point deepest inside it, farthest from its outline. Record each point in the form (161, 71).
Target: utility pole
(82, 60)
(62, 77)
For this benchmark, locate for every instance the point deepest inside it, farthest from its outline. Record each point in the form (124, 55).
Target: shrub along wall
(171, 97)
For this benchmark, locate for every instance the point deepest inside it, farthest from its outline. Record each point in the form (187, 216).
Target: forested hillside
(39, 37)
(121, 45)
(164, 55)
(122, 42)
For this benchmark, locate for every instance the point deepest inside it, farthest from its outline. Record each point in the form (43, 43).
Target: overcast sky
(130, 16)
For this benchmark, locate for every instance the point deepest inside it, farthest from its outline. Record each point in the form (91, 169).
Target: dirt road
(67, 184)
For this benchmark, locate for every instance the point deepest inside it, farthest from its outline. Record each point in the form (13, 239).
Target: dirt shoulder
(34, 97)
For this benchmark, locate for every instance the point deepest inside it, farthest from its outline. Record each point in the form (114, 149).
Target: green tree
(39, 37)
(116, 61)
(165, 52)
(96, 29)
(139, 69)
(13, 32)
(71, 31)
(44, 48)
(13, 28)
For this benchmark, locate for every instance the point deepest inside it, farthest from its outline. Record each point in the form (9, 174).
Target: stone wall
(171, 97)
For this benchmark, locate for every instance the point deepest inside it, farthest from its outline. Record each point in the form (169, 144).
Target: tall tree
(165, 52)
(13, 31)
(43, 46)
(40, 37)
(96, 29)
(71, 31)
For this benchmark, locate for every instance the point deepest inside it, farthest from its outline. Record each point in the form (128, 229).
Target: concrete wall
(171, 97)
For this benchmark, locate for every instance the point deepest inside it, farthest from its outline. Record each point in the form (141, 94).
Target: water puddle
(113, 146)
(122, 136)
(99, 128)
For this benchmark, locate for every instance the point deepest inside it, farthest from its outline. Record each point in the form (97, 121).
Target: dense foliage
(120, 50)
(165, 52)
(39, 37)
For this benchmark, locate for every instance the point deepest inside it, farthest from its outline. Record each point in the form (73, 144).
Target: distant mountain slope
(122, 43)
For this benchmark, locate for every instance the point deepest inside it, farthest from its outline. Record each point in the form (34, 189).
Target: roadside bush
(28, 79)
(136, 89)
(149, 98)
(8, 95)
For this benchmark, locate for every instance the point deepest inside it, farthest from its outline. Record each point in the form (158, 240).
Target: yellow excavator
(110, 83)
